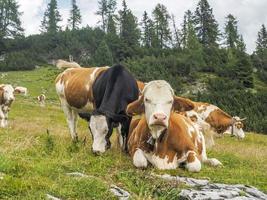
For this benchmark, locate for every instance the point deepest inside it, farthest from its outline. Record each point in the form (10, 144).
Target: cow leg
(210, 161)
(120, 138)
(209, 138)
(75, 121)
(71, 120)
(193, 164)
(124, 133)
(2, 118)
(5, 119)
(139, 159)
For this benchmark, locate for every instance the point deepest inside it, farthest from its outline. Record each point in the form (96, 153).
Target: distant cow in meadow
(21, 90)
(99, 95)
(163, 137)
(41, 100)
(214, 120)
(62, 64)
(6, 99)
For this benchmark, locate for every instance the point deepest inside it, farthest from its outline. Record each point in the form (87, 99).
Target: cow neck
(99, 71)
(1, 96)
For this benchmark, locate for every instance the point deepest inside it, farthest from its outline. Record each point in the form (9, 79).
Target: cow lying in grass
(163, 137)
(21, 90)
(6, 99)
(213, 120)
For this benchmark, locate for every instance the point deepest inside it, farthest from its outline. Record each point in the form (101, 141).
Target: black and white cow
(99, 95)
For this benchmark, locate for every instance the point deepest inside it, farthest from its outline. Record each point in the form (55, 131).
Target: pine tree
(261, 44)
(260, 55)
(129, 31)
(187, 20)
(194, 47)
(206, 25)
(51, 18)
(177, 34)
(10, 24)
(231, 32)
(146, 38)
(161, 22)
(112, 37)
(103, 55)
(75, 16)
(106, 8)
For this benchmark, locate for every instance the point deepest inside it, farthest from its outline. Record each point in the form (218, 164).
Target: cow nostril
(159, 116)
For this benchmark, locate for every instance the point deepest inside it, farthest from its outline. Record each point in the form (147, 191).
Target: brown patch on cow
(141, 86)
(138, 136)
(219, 120)
(1, 95)
(191, 157)
(175, 142)
(78, 84)
(239, 125)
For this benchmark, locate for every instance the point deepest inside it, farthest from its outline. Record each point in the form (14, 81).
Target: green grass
(35, 163)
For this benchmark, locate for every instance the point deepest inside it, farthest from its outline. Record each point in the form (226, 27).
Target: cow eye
(169, 102)
(147, 100)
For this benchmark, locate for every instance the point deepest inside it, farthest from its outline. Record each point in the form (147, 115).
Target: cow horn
(242, 119)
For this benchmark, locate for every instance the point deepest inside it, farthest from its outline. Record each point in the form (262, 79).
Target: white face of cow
(158, 101)
(9, 93)
(238, 130)
(99, 129)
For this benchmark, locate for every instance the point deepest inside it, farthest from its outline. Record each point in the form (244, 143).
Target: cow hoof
(75, 139)
(97, 153)
(194, 166)
(214, 162)
(139, 160)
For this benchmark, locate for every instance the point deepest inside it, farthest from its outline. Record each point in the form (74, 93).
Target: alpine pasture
(36, 154)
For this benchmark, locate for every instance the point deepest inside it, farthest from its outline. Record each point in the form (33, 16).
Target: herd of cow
(154, 126)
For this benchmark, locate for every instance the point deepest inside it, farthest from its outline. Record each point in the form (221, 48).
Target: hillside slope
(34, 163)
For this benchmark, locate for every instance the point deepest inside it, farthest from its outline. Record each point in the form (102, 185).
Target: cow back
(113, 90)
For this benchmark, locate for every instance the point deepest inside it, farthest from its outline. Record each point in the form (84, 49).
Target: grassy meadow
(36, 153)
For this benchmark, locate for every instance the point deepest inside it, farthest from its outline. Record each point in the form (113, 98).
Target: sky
(251, 14)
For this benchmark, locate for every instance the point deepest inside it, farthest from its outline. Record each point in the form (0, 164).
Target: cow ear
(136, 107)
(182, 104)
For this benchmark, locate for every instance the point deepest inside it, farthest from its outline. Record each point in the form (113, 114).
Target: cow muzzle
(159, 119)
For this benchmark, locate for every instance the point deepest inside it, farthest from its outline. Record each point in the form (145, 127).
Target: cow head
(157, 102)
(100, 132)
(8, 94)
(237, 128)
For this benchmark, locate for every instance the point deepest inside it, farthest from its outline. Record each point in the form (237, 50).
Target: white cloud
(250, 13)
(32, 14)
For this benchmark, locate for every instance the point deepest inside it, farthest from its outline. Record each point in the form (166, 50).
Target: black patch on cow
(85, 116)
(113, 90)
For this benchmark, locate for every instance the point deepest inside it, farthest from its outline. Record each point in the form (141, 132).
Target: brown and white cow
(21, 90)
(41, 99)
(163, 137)
(6, 99)
(74, 88)
(218, 121)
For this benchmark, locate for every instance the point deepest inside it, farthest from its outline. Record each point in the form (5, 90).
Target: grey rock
(188, 181)
(77, 174)
(50, 197)
(203, 190)
(119, 192)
